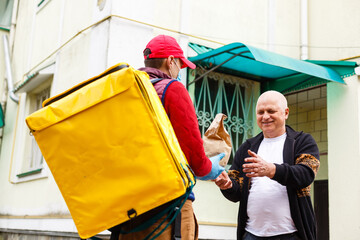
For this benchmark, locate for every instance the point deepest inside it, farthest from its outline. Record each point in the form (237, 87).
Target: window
(6, 7)
(28, 161)
(232, 96)
(32, 160)
(36, 158)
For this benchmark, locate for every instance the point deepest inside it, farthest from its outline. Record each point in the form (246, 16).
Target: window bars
(230, 95)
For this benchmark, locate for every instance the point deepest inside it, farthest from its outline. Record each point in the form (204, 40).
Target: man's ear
(286, 113)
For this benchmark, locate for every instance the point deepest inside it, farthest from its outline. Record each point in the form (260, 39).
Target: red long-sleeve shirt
(181, 112)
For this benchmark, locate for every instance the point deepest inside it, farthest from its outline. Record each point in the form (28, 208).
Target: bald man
(271, 177)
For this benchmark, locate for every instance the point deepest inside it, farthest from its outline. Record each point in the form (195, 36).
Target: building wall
(344, 155)
(333, 29)
(213, 23)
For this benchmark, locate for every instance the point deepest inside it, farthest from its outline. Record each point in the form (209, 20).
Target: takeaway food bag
(217, 140)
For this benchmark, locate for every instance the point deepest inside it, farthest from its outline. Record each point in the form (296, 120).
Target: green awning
(344, 68)
(272, 70)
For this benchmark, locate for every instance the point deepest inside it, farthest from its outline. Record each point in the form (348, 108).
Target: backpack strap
(161, 89)
(163, 94)
(177, 227)
(171, 213)
(155, 80)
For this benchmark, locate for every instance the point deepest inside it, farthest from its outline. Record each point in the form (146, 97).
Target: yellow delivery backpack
(111, 149)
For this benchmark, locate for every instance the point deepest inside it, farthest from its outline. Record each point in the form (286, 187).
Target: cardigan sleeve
(181, 113)
(236, 175)
(306, 164)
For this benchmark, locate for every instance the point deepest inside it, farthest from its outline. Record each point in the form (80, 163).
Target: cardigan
(298, 171)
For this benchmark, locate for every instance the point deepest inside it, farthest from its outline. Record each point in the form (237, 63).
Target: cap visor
(187, 63)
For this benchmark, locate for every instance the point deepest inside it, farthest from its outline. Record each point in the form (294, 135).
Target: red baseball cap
(163, 46)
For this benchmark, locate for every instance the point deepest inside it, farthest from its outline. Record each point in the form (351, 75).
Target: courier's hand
(223, 181)
(216, 169)
(257, 167)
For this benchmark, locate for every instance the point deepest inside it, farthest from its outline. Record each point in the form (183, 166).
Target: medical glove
(216, 169)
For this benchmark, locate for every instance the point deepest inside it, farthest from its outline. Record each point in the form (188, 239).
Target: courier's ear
(167, 65)
(170, 61)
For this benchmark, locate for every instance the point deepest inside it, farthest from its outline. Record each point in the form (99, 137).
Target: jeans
(290, 236)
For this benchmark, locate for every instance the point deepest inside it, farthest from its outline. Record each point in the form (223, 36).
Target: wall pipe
(9, 78)
(13, 24)
(271, 25)
(304, 47)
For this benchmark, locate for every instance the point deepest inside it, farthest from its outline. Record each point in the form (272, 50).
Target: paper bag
(217, 140)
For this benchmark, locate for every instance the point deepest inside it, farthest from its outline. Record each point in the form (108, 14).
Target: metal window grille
(232, 96)
(36, 158)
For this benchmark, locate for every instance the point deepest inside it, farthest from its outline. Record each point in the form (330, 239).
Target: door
(321, 207)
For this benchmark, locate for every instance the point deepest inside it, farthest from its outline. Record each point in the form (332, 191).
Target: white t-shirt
(268, 204)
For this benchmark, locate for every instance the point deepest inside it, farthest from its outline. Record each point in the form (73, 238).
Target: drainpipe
(304, 52)
(184, 27)
(271, 25)
(13, 24)
(9, 79)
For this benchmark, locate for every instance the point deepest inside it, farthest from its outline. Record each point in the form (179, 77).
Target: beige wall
(42, 34)
(222, 22)
(334, 29)
(344, 156)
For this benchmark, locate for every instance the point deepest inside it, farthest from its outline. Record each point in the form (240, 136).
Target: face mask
(179, 77)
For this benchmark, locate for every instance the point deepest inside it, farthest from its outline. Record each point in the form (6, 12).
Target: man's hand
(223, 181)
(258, 167)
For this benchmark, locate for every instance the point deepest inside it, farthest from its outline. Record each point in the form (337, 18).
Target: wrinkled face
(271, 113)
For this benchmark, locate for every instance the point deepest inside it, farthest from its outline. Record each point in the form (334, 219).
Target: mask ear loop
(177, 66)
(178, 72)
(170, 70)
